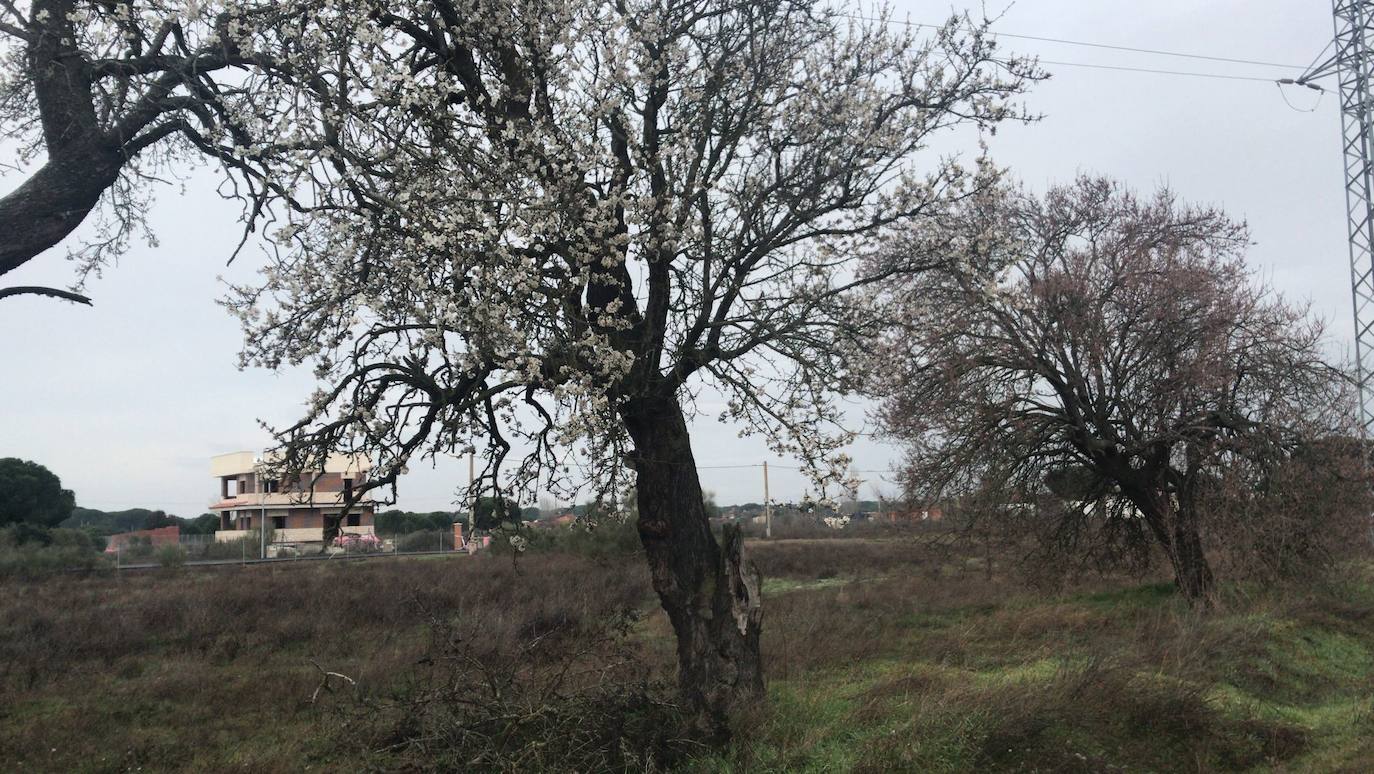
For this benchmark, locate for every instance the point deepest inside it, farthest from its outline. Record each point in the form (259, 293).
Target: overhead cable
(1065, 41)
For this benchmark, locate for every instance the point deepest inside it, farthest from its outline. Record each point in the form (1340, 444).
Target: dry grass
(215, 668)
(883, 655)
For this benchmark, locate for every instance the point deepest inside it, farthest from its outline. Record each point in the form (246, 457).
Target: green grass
(785, 585)
(1127, 679)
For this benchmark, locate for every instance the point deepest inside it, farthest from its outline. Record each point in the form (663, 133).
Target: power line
(1065, 41)
(1154, 51)
(1159, 72)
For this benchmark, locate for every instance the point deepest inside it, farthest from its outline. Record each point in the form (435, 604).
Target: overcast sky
(127, 401)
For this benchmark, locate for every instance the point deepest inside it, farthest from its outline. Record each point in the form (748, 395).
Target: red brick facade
(161, 536)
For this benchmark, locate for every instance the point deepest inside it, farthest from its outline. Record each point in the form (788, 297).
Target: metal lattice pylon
(1354, 66)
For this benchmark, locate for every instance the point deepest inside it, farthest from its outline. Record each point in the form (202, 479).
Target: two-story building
(296, 511)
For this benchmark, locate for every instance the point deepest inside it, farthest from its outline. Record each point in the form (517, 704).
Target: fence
(204, 549)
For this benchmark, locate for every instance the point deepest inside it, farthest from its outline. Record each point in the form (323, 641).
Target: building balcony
(285, 500)
(289, 535)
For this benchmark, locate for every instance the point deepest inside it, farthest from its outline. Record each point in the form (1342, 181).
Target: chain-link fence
(254, 547)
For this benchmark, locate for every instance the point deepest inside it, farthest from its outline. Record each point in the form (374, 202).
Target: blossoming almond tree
(546, 224)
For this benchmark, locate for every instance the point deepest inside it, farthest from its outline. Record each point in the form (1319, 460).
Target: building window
(269, 486)
(278, 522)
(355, 520)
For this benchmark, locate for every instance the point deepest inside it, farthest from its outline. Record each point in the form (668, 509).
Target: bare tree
(1112, 348)
(545, 225)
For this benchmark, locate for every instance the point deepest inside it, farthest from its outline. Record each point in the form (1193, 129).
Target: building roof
(239, 463)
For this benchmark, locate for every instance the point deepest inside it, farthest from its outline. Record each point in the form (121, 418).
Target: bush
(137, 550)
(568, 694)
(23, 533)
(610, 538)
(171, 556)
(1059, 724)
(34, 561)
(229, 549)
(99, 542)
(1307, 520)
(75, 538)
(395, 522)
(432, 540)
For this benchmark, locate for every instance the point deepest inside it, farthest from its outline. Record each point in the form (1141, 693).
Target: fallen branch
(324, 681)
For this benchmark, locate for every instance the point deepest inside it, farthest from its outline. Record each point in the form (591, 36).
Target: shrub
(75, 538)
(23, 533)
(137, 550)
(567, 694)
(395, 522)
(32, 561)
(1059, 725)
(229, 549)
(171, 556)
(1308, 518)
(608, 538)
(425, 541)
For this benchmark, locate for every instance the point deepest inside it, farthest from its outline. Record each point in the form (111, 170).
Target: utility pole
(1353, 65)
(767, 505)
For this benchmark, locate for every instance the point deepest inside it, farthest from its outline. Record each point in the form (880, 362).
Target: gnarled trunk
(1177, 532)
(1192, 573)
(710, 596)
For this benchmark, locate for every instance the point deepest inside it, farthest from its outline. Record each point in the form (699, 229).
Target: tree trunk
(332, 528)
(1192, 573)
(710, 596)
(1176, 531)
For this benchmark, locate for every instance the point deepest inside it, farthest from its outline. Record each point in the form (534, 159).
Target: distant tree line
(397, 522)
(114, 522)
(491, 514)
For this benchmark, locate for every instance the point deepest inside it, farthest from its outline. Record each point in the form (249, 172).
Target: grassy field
(883, 655)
